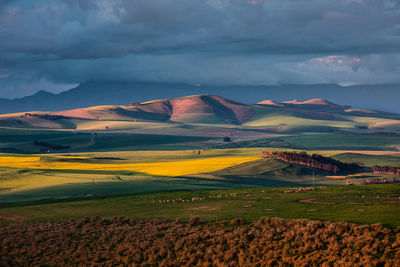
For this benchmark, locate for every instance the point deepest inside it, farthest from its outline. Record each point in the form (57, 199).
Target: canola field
(176, 168)
(32, 172)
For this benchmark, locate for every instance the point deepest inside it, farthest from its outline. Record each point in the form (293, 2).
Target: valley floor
(42, 176)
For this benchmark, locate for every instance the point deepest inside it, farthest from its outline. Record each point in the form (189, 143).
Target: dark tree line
(381, 181)
(386, 170)
(50, 146)
(314, 161)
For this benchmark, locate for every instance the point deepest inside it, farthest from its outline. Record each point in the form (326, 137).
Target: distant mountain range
(380, 97)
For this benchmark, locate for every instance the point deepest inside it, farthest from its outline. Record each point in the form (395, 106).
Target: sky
(55, 45)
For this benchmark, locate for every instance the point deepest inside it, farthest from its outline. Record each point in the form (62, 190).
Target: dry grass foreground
(270, 241)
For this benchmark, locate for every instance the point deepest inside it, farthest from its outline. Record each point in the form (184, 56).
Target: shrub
(270, 241)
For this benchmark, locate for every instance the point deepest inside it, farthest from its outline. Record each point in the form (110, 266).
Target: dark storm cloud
(210, 41)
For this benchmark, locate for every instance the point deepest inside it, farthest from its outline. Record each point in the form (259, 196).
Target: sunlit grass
(250, 204)
(292, 121)
(16, 180)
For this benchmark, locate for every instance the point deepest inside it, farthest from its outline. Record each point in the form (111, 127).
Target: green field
(324, 141)
(22, 141)
(343, 141)
(369, 160)
(60, 184)
(20, 183)
(250, 204)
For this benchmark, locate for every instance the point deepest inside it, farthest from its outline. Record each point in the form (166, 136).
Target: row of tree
(314, 161)
(386, 170)
(50, 145)
(380, 181)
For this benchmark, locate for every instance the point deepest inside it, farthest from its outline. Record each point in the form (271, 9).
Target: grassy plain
(250, 204)
(325, 141)
(345, 141)
(22, 141)
(369, 160)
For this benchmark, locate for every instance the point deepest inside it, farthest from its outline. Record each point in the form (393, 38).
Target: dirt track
(10, 218)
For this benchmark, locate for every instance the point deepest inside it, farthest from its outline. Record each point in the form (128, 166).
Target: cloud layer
(51, 45)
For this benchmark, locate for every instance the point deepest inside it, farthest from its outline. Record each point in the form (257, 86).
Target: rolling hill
(189, 112)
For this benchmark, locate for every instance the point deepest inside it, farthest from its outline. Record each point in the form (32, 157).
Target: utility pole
(93, 187)
(313, 178)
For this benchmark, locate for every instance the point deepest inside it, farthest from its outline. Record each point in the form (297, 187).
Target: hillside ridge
(207, 109)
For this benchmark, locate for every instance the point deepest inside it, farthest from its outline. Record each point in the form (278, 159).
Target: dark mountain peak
(38, 94)
(97, 93)
(42, 93)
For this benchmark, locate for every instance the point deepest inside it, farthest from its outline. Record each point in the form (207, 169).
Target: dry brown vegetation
(270, 241)
(386, 170)
(381, 181)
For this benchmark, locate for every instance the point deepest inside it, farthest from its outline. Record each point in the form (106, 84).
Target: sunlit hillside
(216, 112)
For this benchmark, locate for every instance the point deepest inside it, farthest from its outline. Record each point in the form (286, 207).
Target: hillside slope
(212, 111)
(189, 109)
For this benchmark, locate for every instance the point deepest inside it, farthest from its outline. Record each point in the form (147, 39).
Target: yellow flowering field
(4, 161)
(175, 168)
